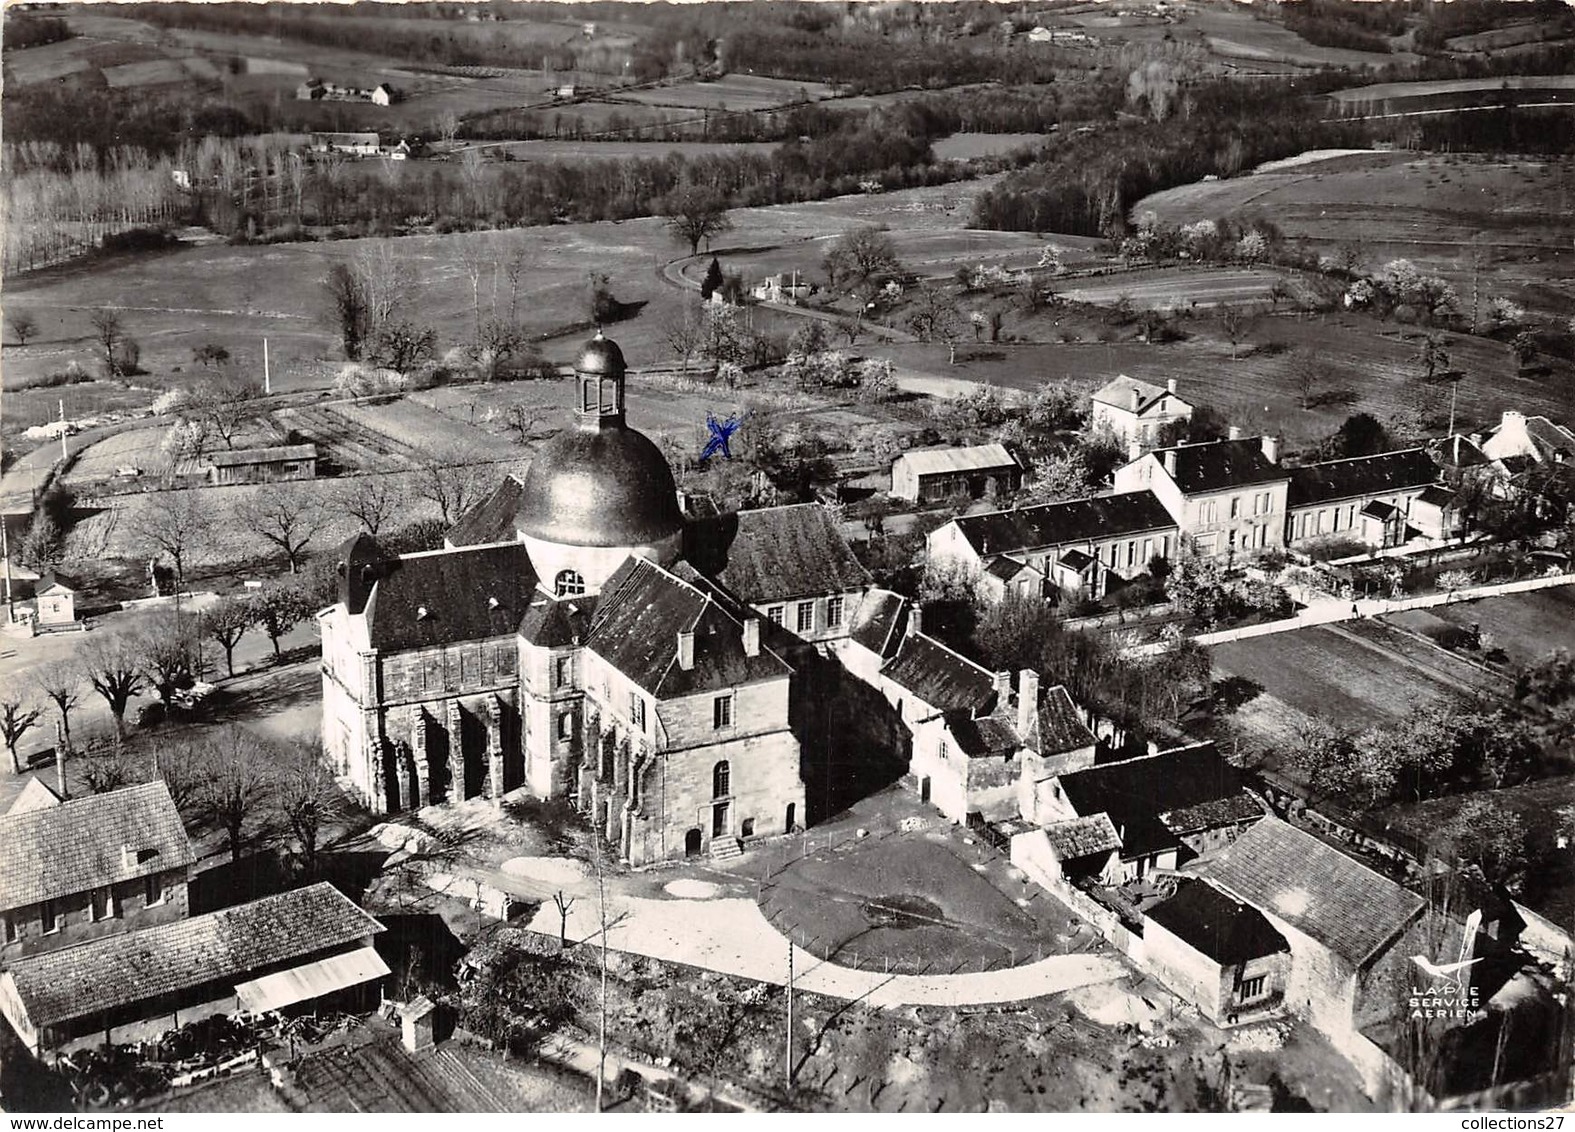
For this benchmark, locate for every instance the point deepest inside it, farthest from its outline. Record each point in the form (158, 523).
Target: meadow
(1525, 626)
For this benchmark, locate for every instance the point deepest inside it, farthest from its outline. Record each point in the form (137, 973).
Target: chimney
(915, 619)
(60, 763)
(1170, 385)
(1475, 438)
(1170, 462)
(1271, 448)
(686, 649)
(752, 636)
(1235, 432)
(1003, 686)
(1137, 399)
(1027, 701)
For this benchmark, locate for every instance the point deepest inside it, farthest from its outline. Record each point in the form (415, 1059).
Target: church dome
(599, 483)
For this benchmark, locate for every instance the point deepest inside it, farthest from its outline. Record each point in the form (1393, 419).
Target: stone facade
(111, 910)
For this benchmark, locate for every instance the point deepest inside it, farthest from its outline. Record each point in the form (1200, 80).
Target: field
(1434, 210)
(732, 92)
(553, 149)
(1355, 676)
(1172, 288)
(1441, 93)
(1526, 626)
(966, 147)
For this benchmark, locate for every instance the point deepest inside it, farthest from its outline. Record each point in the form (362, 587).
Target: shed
(933, 474)
(264, 465)
(57, 602)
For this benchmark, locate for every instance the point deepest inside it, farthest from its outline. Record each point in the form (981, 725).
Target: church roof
(441, 597)
(609, 487)
(643, 609)
(553, 623)
(777, 553)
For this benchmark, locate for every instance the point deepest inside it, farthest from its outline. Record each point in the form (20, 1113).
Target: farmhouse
(1136, 411)
(1216, 952)
(563, 644)
(91, 867)
(1535, 440)
(263, 465)
(1367, 498)
(311, 945)
(362, 144)
(1074, 546)
(777, 289)
(57, 602)
(316, 90)
(1226, 496)
(933, 474)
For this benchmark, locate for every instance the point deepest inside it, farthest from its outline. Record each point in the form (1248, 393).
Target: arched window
(568, 583)
(721, 780)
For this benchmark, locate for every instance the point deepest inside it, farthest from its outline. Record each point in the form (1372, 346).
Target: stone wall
(76, 923)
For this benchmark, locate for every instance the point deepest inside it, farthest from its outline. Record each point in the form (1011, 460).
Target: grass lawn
(1526, 626)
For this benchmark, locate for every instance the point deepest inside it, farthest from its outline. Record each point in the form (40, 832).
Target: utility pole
(1454, 392)
(789, 1065)
(267, 381)
(62, 430)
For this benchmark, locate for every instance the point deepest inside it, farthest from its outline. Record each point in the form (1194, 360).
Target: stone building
(563, 643)
(1135, 411)
(1227, 496)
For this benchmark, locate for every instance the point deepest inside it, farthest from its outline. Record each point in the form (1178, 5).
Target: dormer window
(568, 583)
(421, 613)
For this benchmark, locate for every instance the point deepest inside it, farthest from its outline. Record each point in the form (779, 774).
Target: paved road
(731, 935)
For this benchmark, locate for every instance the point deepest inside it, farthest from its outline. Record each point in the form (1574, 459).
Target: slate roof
(469, 594)
(1075, 559)
(273, 455)
(1213, 814)
(1549, 437)
(57, 851)
(1341, 903)
(983, 737)
(934, 674)
(1218, 465)
(635, 628)
(1224, 929)
(557, 622)
(1005, 567)
(1361, 475)
(1437, 496)
(1380, 510)
(776, 553)
(1053, 524)
(1118, 393)
(880, 622)
(1082, 837)
(1135, 792)
(1060, 728)
(1458, 451)
(226, 946)
(970, 458)
(491, 520)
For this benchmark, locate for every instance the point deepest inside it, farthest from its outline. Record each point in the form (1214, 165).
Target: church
(579, 637)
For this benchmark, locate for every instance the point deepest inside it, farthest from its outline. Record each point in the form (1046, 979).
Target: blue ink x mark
(721, 433)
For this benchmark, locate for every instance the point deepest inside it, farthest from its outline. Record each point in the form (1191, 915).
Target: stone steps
(725, 848)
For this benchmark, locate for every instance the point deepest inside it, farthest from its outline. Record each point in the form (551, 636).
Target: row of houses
(316, 90)
(361, 143)
(98, 943)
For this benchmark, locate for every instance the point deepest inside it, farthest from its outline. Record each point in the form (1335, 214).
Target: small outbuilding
(57, 602)
(263, 465)
(1218, 953)
(933, 474)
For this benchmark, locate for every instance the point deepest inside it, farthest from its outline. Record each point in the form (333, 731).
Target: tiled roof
(1060, 728)
(1082, 837)
(467, 594)
(1135, 792)
(1225, 930)
(1361, 475)
(971, 458)
(1380, 510)
(1005, 567)
(1344, 905)
(880, 622)
(262, 455)
(1118, 393)
(774, 553)
(1550, 438)
(491, 520)
(1457, 451)
(83, 844)
(982, 737)
(1213, 814)
(1436, 496)
(36, 795)
(556, 622)
(226, 946)
(1054, 524)
(1217, 465)
(642, 610)
(935, 675)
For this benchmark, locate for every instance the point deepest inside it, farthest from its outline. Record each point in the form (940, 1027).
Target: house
(316, 90)
(263, 465)
(57, 602)
(1227, 497)
(931, 475)
(563, 90)
(382, 95)
(1010, 575)
(776, 289)
(1167, 808)
(1077, 546)
(356, 144)
(90, 867)
(1219, 954)
(1438, 513)
(307, 946)
(577, 640)
(1341, 918)
(1534, 439)
(1365, 498)
(1135, 411)
(790, 564)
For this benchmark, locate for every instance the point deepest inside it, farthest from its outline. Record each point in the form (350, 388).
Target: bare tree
(307, 800)
(226, 405)
(23, 326)
(168, 651)
(113, 666)
(183, 764)
(225, 624)
(451, 488)
(173, 523)
(684, 334)
(563, 904)
(287, 516)
(110, 332)
(17, 718)
(934, 316)
(61, 683)
(277, 609)
(1233, 321)
(237, 784)
(371, 500)
(860, 258)
(448, 128)
(692, 214)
